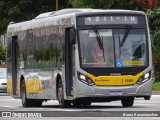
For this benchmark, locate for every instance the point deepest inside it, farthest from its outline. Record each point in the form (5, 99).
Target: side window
(46, 55)
(53, 48)
(38, 56)
(30, 50)
(60, 52)
(22, 49)
(46, 48)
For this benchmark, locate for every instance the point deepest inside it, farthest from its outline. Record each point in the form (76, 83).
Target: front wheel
(25, 102)
(62, 102)
(127, 102)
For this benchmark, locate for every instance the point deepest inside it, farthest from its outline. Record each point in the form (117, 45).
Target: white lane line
(53, 102)
(7, 106)
(155, 96)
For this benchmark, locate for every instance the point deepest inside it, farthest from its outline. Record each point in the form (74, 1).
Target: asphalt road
(96, 111)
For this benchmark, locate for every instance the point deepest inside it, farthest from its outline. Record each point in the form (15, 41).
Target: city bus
(80, 56)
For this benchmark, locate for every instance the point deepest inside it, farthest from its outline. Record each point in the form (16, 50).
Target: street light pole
(56, 5)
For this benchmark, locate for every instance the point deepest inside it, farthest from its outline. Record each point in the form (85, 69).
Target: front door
(69, 65)
(14, 63)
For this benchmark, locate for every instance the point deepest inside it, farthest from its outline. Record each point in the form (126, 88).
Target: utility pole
(56, 5)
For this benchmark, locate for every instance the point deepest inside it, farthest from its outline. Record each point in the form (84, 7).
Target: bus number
(127, 80)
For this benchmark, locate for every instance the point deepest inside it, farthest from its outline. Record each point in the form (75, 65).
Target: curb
(155, 92)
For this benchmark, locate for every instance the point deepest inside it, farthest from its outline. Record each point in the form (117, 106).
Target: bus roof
(46, 19)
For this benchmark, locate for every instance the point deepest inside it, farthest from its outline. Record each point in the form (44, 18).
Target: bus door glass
(14, 63)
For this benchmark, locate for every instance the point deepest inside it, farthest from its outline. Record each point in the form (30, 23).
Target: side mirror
(72, 36)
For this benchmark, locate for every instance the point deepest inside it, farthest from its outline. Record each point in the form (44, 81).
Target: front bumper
(84, 91)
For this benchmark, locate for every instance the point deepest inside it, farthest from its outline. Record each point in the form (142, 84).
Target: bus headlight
(146, 75)
(85, 79)
(144, 78)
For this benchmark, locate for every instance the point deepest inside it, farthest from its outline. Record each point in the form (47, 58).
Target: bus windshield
(121, 48)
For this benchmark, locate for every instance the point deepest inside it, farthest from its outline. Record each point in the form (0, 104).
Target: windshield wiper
(119, 44)
(125, 36)
(100, 42)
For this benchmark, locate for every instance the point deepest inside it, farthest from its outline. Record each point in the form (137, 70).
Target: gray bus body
(50, 57)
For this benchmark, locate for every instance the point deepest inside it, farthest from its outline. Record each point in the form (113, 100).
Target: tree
(2, 53)
(23, 10)
(105, 4)
(149, 4)
(154, 23)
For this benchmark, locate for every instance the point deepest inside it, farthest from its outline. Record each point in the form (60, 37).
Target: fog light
(90, 82)
(140, 81)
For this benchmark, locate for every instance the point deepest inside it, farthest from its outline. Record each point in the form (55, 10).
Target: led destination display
(110, 20)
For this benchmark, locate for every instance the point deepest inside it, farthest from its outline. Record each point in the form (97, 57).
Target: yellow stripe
(33, 86)
(129, 63)
(115, 80)
(9, 86)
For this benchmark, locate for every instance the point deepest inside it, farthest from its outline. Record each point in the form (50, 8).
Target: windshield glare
(131, 53)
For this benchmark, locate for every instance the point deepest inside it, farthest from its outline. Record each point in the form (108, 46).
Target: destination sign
(100, 20)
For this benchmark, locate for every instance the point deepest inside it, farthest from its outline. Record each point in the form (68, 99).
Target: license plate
(114, 93)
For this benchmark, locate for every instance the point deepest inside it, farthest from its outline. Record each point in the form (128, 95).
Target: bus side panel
(41, 57)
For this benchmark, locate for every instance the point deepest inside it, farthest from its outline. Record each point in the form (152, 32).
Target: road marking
(155, 96)
(55, 103)
(7, 106)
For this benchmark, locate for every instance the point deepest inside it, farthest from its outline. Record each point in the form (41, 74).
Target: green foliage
(23, 10)
(155, 86)
(2, 53)
(106, 4)
(154, 23)
(156, 63)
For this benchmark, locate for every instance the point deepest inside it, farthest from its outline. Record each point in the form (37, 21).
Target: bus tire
(25, 102)
(147, 97)
(37, 103)
(86, 103)
(62, 102)
(127, 102)
(77, 103)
